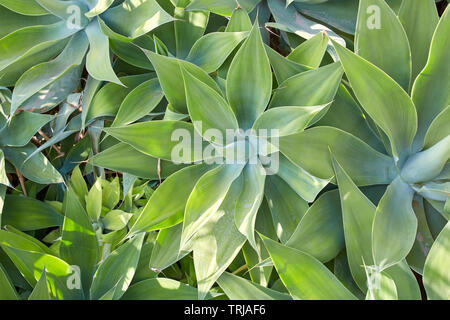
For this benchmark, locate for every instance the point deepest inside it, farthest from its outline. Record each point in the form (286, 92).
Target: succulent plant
(198, 149)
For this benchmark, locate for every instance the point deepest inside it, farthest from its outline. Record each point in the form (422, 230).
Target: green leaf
(438, 129)
(100, 7)
(217, 242)
(249, 80)
(124, 158)
(29, 40)
(342, 271)
(7, 290)
(253, 258)
(358, 213)
(3, 177)
(189, 26)
(419, 18)
(345, 114)
(428, 164)
(143, 272)
(114, 275)
(204, 52)
(282, 67)
(394, 226)
(431, 91)
(435, 273)
(383, 99)
(91, 87)
(37, 168)
(239, 21)
(109, 98)
(43, 81)
(110, 193)
(286, 206)
(304, 276)
(207, 109)
(310, 53)
(302, 182)
(167, 248)
(24, 7)
(287, 120)
(98, 62)
(424, 239)
(134, 19)
(22, 127)
(160, 139)
(15, 238)
(311, 88)
(94, 201)
(237, 288)
(59, 274)
(171, 78)
(222, 7)
(64, 10)
(365, 165)
(78, 185)
(290, 20)
(160, 289)
(340, 14)
(405, 281)
(41, 291)
(116, 219)
(378, 29)
(79, 244)
(383, 289)
(249, 200)
(139, 102)
(29, 214)
(204, 201)
(165, 207)
(319, 232)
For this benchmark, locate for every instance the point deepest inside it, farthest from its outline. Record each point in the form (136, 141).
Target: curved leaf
(319, 232)
(217, 242)
(139, 102)
(114, 275)
(304, 276)
(135, 18)
(171, 78)
(383, 99)
(394, 226)
(419, 19)
(160, 139)
(435, 273)
(204, 201)
(165, 207)
(237, 288)
(29, 214)
(431, 91)
(124, 158)
(249, 80)
(377, 31)
(365, 165)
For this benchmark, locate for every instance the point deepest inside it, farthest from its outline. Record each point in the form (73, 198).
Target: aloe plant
(78, 33)
(95, 220)
(406, 120)
(243, 108)
(198, 149)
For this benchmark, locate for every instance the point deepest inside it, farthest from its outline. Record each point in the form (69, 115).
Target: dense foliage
(200, 149)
